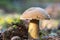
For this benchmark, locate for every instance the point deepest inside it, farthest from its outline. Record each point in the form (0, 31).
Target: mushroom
(34, 14)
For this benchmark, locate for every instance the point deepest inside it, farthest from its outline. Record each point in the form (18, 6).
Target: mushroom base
(34, 29)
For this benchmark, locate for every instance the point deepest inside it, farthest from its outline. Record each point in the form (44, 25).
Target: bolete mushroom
(34, 14)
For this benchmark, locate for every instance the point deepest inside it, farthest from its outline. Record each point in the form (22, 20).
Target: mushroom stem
(34, 29)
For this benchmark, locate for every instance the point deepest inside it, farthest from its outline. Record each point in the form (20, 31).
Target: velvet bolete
(34, 14)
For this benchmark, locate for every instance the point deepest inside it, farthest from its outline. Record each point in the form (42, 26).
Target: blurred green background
(10, 6)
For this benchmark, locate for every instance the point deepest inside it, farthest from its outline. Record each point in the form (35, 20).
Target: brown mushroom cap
(35, 13)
